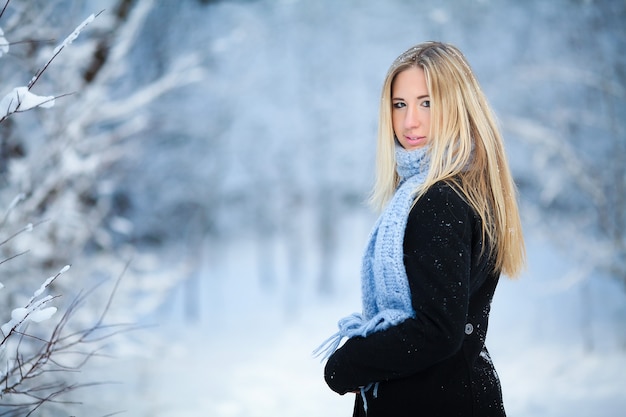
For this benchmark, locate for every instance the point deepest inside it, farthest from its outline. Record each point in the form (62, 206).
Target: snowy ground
(558, 342)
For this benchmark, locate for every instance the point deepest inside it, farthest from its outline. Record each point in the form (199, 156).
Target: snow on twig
(62, 46)
(72, 36)
(4, 44)
(24, 375)
(28, 228)
(21, 100)
(35, 310)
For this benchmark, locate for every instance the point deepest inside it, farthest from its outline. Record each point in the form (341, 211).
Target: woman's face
(410, 108)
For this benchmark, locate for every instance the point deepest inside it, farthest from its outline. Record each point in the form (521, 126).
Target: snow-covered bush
(574, 177)
(64, 164)
(32, 360)
(38, 362)
(52, 173)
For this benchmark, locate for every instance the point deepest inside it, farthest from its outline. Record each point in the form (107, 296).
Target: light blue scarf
(386, 295)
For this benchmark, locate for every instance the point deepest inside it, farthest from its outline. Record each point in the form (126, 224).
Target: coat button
(469, 329)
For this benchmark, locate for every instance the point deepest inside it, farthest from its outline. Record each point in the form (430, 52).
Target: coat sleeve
(437, 250)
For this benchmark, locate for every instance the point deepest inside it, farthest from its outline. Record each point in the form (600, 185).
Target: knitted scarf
(386, 295)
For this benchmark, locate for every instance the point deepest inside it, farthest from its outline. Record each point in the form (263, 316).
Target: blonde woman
(449, 226)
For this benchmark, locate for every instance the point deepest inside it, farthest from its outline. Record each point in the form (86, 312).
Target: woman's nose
(411, 119)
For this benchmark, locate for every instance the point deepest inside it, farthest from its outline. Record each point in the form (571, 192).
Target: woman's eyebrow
(419, 97)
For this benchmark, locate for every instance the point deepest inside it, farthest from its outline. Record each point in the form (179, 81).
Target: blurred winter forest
(181, 128)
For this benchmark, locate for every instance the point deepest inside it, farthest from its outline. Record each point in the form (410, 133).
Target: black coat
(435, 364)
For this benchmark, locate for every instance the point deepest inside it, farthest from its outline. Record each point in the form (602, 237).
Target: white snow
(4, 44)
(72, 36)
(35, 309)
(249, 354)
(19, 314)
(21, 99)
(43, 287)
(33, 312)
(43, 314)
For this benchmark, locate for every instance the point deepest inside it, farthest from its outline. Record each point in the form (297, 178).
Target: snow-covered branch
(596, 189)
(553, 145)
(35, 309)
(21, 99)
(38, 360)
(68, 41)
(4, 44)
(30, 362)
(187, 71)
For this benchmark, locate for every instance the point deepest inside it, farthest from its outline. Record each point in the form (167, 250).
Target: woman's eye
(426, 103)
(399, 105)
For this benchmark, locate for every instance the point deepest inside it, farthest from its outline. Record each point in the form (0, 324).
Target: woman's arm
(438, 258)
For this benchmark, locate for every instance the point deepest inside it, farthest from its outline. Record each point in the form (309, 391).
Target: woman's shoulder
(443, 203)
(446, 192)
(442, 213)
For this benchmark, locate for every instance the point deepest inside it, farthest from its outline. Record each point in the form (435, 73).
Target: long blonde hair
(465, 147)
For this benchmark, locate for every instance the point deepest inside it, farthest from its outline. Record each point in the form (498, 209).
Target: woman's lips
(415, 139)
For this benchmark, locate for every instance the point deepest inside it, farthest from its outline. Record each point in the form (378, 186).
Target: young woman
(449, 226)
